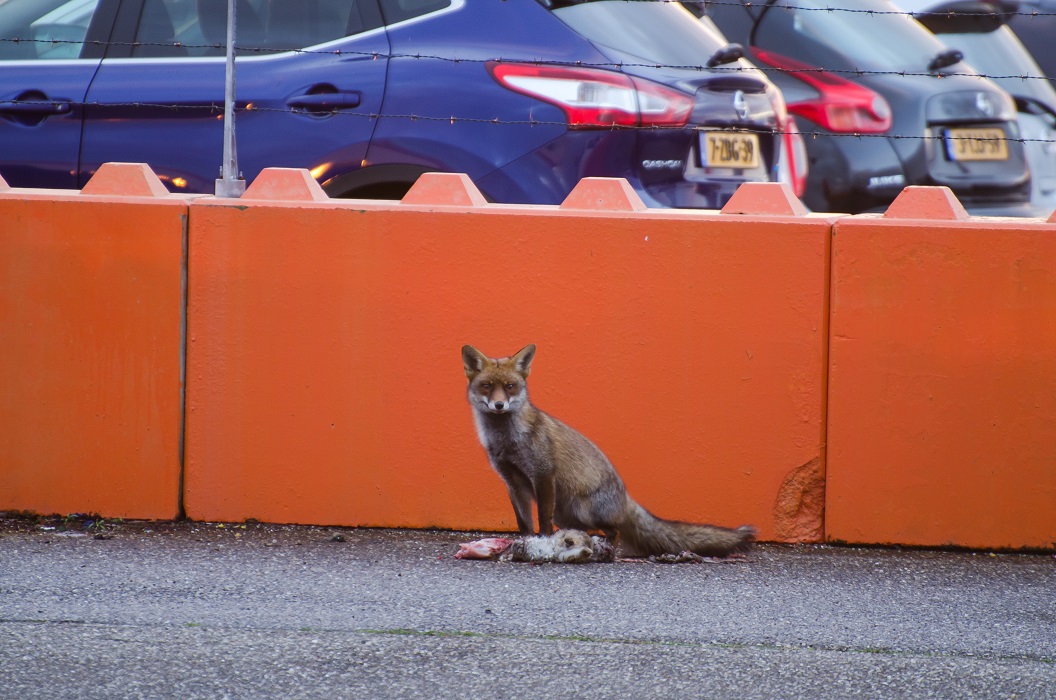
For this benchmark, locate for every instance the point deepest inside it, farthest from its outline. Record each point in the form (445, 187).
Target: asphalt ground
(199, 610)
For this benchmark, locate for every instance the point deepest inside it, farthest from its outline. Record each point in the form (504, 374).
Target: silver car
(982, 34)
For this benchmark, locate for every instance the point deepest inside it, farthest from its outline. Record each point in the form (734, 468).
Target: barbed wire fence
(244, 51)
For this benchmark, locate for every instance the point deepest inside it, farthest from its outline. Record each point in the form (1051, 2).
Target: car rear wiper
(727, 54)
(945, 59)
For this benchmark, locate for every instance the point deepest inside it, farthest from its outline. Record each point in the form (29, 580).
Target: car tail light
(792, 162)
(842, 106)
(795, 151)
(595, 99)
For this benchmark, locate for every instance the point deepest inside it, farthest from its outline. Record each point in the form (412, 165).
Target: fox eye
(511, 387)
(486, 386)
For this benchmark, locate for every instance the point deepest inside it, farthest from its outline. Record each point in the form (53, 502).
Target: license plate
(976, 144)
(729, 149)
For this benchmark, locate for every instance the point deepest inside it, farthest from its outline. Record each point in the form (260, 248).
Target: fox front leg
(544, 498)
(520, 489)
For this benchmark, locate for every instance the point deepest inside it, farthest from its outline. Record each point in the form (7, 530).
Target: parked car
(1034, 22)
(883, 104)
(979, 30)
(526, 97)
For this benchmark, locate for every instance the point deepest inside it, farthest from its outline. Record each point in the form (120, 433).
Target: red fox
(572, 482)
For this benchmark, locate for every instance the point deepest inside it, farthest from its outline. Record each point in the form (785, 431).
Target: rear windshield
(1000, 53)
(657, 32)
(859, 34)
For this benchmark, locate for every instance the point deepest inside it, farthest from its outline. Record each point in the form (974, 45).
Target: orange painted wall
(942, 390)
(90, 322)
(325, 382)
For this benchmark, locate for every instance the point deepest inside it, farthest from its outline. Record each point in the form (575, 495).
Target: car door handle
(325, 101)
(36, 106)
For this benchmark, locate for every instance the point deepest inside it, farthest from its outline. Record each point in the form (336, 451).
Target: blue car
(525, 96)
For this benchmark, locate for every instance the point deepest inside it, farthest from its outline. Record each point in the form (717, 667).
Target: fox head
(497, 385)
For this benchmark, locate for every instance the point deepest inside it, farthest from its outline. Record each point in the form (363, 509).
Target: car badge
(740, 105)
(984, 104)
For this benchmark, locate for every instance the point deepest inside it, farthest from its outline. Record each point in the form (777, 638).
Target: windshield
(657, 32)
(864, 37)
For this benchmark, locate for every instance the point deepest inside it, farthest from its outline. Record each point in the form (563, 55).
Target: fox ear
(474, 360)
(522, 361)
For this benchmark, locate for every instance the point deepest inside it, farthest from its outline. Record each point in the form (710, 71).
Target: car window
(44, 29)
(1001, 54)
(1036, 31)
(177, 28)
(400, 10)
(662, 33)
(873, 35)
(734, 20)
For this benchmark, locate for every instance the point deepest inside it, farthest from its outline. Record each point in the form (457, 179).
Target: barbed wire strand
(609, 65)
(218, 109)
(375, 55)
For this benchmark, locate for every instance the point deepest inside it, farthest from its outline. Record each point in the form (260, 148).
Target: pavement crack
(776, 647)
(756, 646)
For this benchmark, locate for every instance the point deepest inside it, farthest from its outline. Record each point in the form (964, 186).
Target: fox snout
(498, 401)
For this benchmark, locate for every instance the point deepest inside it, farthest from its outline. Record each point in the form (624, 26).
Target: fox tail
(643, 534)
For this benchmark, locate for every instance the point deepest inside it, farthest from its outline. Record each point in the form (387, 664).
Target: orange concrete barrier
(324, 374)
(698, 349)
(91, 304)
(942, 388)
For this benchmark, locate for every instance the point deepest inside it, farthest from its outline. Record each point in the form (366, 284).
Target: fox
(570, 480)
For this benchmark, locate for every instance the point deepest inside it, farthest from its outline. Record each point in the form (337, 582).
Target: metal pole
(230, 183)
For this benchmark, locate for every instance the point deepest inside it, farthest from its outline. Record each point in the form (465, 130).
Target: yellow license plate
(729, 149)
(976, 144)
